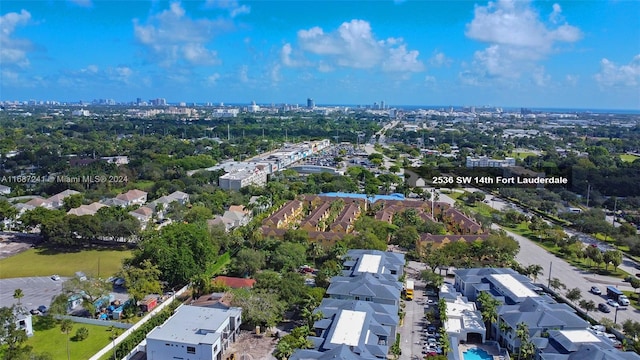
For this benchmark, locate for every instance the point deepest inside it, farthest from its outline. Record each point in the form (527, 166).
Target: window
(191, 350)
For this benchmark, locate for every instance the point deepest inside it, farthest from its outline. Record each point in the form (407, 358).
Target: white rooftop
(514, 285)
(580, 336)
(348, 327)
(369, 263)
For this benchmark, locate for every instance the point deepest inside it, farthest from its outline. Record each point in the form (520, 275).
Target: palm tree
(18, 295)
(66, 326)
(504, 329)
(489, 310)
(556, 284)
(522, 334)
(534, 270)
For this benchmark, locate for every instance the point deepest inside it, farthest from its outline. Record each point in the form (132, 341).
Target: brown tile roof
(131, 195)
(235, 282)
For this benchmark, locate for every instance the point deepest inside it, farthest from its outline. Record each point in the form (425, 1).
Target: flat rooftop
(512, 284)
(348, 327)
(369, 263)
(193, 325)
(580, 336)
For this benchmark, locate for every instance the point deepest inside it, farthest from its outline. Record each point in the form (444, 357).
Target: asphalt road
(412, 329)
(572, 277)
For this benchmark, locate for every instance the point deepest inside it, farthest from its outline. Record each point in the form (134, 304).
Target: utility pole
(550, 267)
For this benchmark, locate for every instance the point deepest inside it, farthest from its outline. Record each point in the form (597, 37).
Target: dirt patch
(250, 346)
(12, 244)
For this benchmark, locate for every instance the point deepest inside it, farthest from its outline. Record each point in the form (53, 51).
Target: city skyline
(505, 53)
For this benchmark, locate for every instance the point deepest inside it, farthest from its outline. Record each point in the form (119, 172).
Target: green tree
(141, 280)
(81, 334)
(248, 261)
(488, 309)
(556, 284)
(432, 279)
(631, 329)
(66, 326)
(259, 308)
(198, 214)
(573, 295)
(18, 294)
(534, 270)
(588, 305)
(91, 289)
(13, 337)
(406, 237)
(288, 256)
(635, 283)
(180, 251)
(522, 334)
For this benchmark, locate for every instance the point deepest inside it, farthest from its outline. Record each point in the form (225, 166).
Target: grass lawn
(628, 157)
(54, 342)
(521, 154)
(44, 262)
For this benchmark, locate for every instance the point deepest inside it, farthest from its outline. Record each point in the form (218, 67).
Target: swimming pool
(476, 354)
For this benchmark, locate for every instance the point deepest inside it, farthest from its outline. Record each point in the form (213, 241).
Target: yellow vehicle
(408, 290)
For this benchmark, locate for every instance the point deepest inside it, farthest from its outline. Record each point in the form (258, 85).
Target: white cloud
(83, 3)
(352, 45)
(439, 59)
(274, 73)
(13, 52)
(517, 39)
(571, 79)
(171, 37)
(611, 75)
(213, 79)
(540, 77)
(92, 75)
(243, 75)
(232, 6)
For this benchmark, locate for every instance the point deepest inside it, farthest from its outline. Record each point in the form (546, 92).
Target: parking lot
(40, 291)
(37, 291)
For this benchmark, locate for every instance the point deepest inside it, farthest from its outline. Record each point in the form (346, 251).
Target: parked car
(35, 312)
(604, 308)
(612, 303)
(623, 301)
(595, 290)
(55, 277)
(42, 309)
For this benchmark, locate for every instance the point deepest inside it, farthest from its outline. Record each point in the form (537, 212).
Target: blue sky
(578, 54)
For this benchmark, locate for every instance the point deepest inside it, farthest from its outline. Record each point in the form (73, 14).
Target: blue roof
(371, 199)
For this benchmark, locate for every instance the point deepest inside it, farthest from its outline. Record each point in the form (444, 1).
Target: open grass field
(628, 157)
(51, 340)
(44, 262)
(521, 154)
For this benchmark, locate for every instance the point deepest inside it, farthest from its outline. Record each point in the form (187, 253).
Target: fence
(124, 335)
(89, 321)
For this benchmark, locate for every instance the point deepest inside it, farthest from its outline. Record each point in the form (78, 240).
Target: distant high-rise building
(382, 105)
(159, 102)
(310, 103)
(138, 101)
